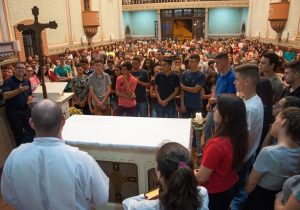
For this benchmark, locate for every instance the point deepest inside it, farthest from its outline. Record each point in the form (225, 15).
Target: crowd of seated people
(249, 92)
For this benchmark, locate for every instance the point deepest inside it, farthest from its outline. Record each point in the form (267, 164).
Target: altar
(125, 148)
(56, 93)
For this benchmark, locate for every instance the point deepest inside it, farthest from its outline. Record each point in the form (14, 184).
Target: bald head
(46, 117)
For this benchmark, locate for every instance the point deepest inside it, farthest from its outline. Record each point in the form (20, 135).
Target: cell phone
(152, 194)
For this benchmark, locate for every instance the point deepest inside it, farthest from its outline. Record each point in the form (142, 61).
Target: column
(69, 25)
(101, 20)
(158, 25)
(206, 24)
(1, 79)
(5, 21)
(298, 31)
(121, 23)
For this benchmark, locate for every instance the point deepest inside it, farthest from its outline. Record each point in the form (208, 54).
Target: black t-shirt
(296, 92)
(19, 102)
(140, 91)
(113, 78)
(166, 85)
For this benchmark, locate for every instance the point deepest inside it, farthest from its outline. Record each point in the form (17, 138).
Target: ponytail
(181, 190)
(180, 185)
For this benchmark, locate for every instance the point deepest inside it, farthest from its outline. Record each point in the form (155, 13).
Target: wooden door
(167, 29)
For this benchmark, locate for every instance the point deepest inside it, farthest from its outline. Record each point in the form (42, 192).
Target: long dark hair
(234, 124)
(40, 72)
(176, 167)
(151, 70)
(264, 91)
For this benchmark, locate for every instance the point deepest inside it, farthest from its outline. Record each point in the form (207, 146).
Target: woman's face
(217, 117)
(278, 107)
(277, 125)
(212, 80)
(117, 71)
(29, 71)
(148, 63)
(9, 73)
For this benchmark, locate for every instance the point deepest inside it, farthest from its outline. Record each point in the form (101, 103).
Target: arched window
(29, 43)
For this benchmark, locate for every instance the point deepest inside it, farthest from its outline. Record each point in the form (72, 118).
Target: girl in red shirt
(224, 152)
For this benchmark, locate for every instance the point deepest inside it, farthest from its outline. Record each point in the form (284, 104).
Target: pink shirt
(35, 82)
(120, 86)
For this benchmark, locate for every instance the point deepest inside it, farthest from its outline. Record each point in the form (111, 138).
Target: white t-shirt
(255, 118)
(48, 174)
(140, 203)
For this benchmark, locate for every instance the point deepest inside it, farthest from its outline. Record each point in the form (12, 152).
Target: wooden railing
(130, 2)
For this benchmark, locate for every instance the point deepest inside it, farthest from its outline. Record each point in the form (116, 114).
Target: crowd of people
(248, 91)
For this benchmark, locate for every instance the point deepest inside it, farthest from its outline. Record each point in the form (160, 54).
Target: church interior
(155, 36)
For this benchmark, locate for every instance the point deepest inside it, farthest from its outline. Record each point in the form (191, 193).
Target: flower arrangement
(75, 111)
(198, 121)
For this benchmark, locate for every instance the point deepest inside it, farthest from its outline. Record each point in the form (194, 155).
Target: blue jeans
(114, 103)
(166, 112)
(142, 109)
(154, 109)
(240, 198)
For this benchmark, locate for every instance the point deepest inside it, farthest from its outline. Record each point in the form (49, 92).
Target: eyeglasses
(276, 106)
(214, 109)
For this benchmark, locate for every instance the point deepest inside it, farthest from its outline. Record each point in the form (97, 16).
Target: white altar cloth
(126, 132)
(117, 141)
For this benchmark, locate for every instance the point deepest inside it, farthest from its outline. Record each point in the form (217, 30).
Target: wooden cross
(37, 28)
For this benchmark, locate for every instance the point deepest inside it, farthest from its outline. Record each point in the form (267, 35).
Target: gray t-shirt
(291, 185)
(100, 84)
(296, 192)
(277, 87)
(277, 164)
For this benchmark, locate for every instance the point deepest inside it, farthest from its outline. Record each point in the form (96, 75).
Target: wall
(141, 23)
(226, 21)
(67, 14)
(111, 19)
(21, 10)
(259, 25)
(76, 21)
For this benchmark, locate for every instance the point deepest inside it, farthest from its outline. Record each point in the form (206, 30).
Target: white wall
(111, 19)
(49, 11)
(258, 19)
(110, 14)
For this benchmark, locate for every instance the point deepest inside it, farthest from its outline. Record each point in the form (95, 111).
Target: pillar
(158, 25)
(206, 24)
(69, 24)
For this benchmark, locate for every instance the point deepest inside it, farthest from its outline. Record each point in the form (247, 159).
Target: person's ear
(63, 121)
(247, 81)
(31, 123)
(283, 122)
